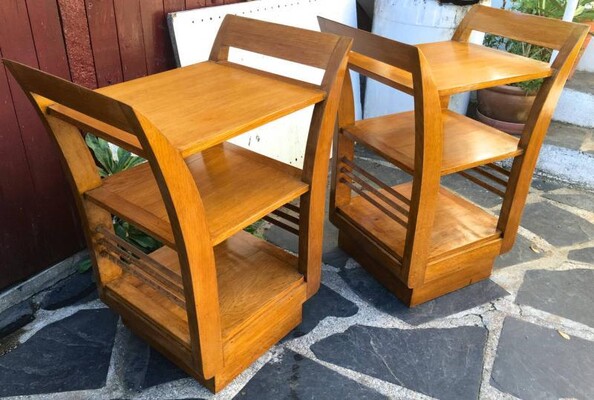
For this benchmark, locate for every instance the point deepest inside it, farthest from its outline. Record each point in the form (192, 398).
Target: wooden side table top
(458, 67)
(201, 105)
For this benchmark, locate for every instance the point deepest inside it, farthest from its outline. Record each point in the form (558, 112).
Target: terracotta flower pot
(504, 107)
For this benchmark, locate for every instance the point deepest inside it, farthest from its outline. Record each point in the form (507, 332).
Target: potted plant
(584, 14)
(507, 107)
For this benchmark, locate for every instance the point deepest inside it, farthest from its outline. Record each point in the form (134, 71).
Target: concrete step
(568, 155)
(576, 105)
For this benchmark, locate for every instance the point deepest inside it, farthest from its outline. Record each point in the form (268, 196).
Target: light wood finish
(460, 67)
(457, 224)
(225, 176)
(204, 104)
(214, 298)
(455, 66)
(437, 242)
(466, 142)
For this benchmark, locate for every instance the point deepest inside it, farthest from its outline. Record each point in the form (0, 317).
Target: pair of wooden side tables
(214, 298)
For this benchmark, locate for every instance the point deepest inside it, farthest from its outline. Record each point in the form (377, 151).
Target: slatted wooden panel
(94, 43)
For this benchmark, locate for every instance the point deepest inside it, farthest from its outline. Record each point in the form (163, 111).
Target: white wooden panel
(193, 33)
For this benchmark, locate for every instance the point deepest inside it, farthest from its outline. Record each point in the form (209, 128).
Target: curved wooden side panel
(426, 177)
(315, 167)
(190, 230)
(533, 136)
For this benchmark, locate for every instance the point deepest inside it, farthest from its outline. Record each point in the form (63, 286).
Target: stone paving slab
(497, 339)
(557, 226)
(71, 354)
(78, 287)
(294, 376)
(376, 295)
(566, 135)
(443, 363)
(523, 251)
(585, 255)
(568, 294)
(15, 317)
(583, 201)
(326, 303)
(534, 362)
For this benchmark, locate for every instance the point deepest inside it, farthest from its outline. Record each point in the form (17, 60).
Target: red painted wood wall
(93, 43)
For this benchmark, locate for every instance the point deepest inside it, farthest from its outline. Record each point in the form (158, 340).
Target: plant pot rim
(511, 90)
(513, 128)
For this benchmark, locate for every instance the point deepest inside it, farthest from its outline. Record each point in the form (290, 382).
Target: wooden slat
(366, 186)
(173, 6)
(104, 40)
(375, 180)
(192, 4)
(275, 40)
(70, 95)
(224, 178)
(284, 215)
(374, 202)
(374, 47)
(17, 209)
(541, 31)
(143, 272)
(482, 183)
(252, 274)
(490, 176)
(130, 38)
(281, 224)
(44, 18)
(466, 143)
(52, 202)
(155, 35)
(173, 276)
(381, 72)
(458, 224)
(292, 207)
(75, 28)
(499, 169)
(88, 124)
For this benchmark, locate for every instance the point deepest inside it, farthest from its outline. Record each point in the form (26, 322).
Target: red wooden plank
(191, 4)
(47, 34)
(51, 232)
(104, 40)
(78, 42)
(154, 28)
(130, 38)
(173, 5)
(16, 194)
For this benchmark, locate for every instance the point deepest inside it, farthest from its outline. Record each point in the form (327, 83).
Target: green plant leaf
(84, 265)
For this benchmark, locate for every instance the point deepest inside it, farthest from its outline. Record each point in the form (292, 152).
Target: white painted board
(194, 31)
(413, 22)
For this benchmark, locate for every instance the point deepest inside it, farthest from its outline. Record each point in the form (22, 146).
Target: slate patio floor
(527, 333)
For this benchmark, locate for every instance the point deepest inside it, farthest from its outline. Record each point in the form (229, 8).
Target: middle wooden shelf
(226, 176)
(466, 142)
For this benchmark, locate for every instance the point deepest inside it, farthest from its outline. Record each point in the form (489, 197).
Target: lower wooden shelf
(458, 224)
(260, 298)
(462, 248)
